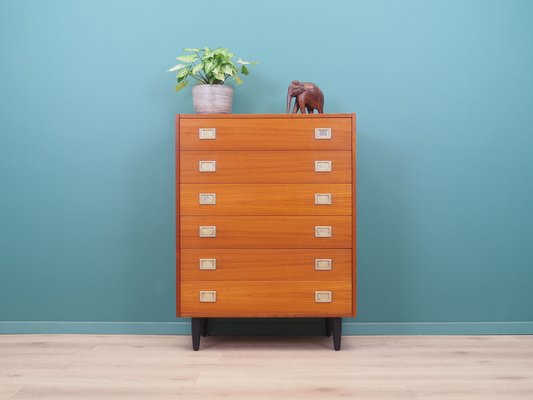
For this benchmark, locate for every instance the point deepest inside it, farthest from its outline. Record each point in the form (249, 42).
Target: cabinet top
(251, 116)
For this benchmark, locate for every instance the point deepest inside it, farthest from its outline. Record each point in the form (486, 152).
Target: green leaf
(191, 50)
(209, 65)
(237, 79)
(197, 68)
(188, 59)
(242, 62)
(244, 70)
(176, 68)
(219, 76)
(181, 85)
(183, 72)
(227, 69)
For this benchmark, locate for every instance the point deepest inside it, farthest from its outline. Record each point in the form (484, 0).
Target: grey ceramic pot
(212, 99)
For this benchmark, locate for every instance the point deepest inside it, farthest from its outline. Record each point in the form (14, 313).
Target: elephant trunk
(289, 100)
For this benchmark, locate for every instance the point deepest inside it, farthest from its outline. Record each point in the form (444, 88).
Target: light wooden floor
(100, 367)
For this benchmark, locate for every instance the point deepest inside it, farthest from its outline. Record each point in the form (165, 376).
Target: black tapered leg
(204, 327)
(336, 328)
(196, 328)
(328, 326)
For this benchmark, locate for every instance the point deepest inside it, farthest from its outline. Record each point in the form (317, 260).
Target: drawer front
(265, 167)
(201, 232)
(266, 265)
(266, 199)
(266, 134)
(265, 299)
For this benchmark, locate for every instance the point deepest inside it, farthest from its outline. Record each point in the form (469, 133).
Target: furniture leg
(196, 328)
(336, 327)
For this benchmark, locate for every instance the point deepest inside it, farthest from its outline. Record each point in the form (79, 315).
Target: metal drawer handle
(323, 231)
(207, 198)
(207, 133)
(323, 166)
(323, 264)
(322, 133)
(322, 198)
(323, 297)
(208, 231)
(208, 263)
(208, 296)
(207, 166)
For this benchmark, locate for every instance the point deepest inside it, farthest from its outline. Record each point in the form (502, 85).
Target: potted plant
(211, 68)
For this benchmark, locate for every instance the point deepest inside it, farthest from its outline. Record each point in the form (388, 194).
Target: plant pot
(212, 99)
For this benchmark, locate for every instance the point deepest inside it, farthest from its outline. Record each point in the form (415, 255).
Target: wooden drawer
(266, 199)
(265, 167)
(266, 232)
(266, 265)
(265, 299)
(283, 133)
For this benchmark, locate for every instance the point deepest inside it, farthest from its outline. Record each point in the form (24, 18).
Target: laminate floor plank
(164, 367)
(8, 391)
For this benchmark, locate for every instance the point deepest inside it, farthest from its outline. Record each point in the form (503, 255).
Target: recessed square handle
(323, 297)
(323, 264)
(208, 263)
(208, 296)
(207, 133)
(207, 198)
(207, 166)
(322, 198)
(322, 133)
(323, 231)
(208, 231)
(323, 166)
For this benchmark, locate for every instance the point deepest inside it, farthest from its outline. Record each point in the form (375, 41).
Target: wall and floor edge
(349, 328)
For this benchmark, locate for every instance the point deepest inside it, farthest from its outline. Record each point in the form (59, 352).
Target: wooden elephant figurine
(308, 96)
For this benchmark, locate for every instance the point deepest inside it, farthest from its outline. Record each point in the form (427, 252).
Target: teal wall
(444, 96)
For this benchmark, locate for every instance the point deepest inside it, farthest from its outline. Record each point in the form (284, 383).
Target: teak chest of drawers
(265, 218)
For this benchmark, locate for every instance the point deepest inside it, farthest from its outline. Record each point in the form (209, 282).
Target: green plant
(209, 67)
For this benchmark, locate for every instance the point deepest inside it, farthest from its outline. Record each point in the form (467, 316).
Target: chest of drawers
(265, 218)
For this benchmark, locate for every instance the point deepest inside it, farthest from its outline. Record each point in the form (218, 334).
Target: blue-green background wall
(443, 91)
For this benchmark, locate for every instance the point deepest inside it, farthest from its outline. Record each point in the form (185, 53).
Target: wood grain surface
(265, 214)
(266, 299)
(265, 167)
(266, 134)
(283, 116)
(266, 265)
(354, 213)
(266, 232)
(178, 214)
(266, 199)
